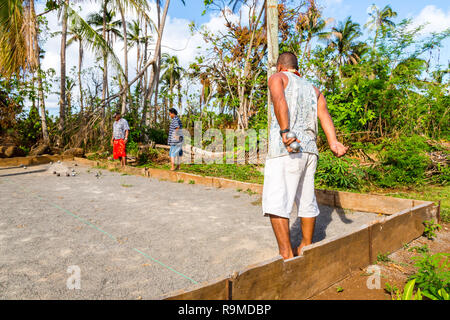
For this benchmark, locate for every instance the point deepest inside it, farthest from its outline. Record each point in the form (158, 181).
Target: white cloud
(177, 40)
(434, 19)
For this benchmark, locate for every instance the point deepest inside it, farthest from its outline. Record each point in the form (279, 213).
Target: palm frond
(94, 41)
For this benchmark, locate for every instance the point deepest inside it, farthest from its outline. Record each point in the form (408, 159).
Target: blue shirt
(173, 139)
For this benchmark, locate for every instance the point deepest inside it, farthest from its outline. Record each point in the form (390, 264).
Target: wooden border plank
(371, 203)
(211, 290)
(392, 232)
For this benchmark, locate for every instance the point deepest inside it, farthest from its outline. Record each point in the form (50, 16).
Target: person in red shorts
(120, 138)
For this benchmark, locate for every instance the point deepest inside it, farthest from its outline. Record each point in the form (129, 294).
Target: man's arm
(280, 106)
(127, 130)
(328, 127)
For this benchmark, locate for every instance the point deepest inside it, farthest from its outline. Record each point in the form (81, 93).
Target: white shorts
(290, 179)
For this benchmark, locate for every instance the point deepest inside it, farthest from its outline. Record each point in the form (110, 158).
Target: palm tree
(380, 19)
(75, 33)
(312, 23)
(171, 73)
(62, 96)
(105, 23)
(136, 39)
(349, 50)
(139, 6)
(19, 46)
(18, 50)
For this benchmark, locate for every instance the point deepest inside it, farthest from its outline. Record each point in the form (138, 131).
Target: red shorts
(119, 148)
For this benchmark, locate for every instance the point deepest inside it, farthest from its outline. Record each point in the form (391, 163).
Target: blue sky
(338, 9)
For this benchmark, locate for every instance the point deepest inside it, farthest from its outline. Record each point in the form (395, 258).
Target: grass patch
(100, 166)
(245, 173)
(428, 193)
(126, 185)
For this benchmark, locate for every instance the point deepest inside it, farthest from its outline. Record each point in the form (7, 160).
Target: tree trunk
(62, 97)
(80, 62)
(45, 135)
(272, 48)
(144, 89)
(179, 95)
(125, 53)
(105, 62)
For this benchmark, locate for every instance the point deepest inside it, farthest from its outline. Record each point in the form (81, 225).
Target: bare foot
(298, 251)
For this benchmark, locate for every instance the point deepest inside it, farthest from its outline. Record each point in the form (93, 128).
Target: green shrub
(430, 229)
(403, 161)
(433, 274)
(159, 136)
(337, 172)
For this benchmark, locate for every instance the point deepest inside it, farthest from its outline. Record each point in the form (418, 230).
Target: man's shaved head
(288, 60)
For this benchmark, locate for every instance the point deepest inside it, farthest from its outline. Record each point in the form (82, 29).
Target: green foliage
(423, 249)
(148, 156)
(403, 161)
(433, 275)
(407, 294)
(337, 172)
(443, 174)
(159, 136)
(430, 229)
(392, 290)
(383, 257)
(29, 127)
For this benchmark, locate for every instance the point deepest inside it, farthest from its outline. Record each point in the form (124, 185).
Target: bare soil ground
(394, 272)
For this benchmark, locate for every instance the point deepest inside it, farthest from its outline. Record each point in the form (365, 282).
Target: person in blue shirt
(175, 139)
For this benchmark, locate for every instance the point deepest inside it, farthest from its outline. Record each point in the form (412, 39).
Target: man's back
(301, 98)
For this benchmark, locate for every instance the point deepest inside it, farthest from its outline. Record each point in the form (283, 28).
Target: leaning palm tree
(93, 40)
(140, 7)
(379, 19)
(344, 41)
(171, 73)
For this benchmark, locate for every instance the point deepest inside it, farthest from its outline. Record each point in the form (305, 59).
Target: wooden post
(272, 48)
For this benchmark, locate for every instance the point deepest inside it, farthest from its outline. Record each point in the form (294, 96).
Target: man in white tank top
(288, 175)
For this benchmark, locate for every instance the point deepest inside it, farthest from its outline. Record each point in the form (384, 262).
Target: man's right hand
(338, 149)
(287, 142)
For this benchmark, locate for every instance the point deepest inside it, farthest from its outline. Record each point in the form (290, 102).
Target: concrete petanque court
(131, 237)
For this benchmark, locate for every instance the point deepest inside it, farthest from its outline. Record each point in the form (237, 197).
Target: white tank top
(301, 99)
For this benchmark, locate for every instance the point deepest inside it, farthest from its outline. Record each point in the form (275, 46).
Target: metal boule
(295, 146)
(291, 135)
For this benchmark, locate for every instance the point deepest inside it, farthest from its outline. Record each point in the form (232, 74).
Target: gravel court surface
(132, 237)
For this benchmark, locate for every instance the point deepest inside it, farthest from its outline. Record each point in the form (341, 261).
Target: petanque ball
(295, 146)
(291, 135)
